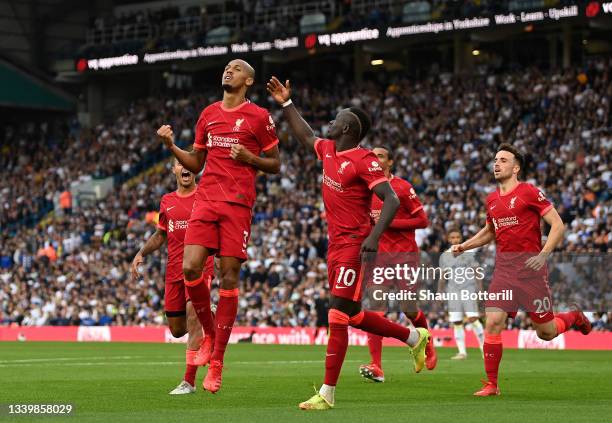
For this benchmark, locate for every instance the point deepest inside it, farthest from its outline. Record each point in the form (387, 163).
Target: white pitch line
(20, 363)
(50, 360)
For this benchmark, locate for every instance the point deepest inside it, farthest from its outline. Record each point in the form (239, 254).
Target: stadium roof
(25, 90)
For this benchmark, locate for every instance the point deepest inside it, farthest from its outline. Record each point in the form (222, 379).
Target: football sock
(375, 346)
(493, 350)
(327, 392)
(337, 345)
(372, 322)
(420, 321)
(459, 332)
(224, 319)
(190, 369)
(564, 321)
(200, 299)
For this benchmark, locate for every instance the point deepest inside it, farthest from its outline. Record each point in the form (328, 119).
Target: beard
(227, 88)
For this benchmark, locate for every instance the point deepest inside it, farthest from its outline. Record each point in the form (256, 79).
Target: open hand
(279, 92)
(135, 265)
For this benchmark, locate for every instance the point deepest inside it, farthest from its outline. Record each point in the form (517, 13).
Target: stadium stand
(74, 269)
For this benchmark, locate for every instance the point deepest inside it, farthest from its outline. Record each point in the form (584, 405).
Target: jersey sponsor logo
(223, 142)
(177, 224)
(505, 221)
(375, 166)
(336, 186)
(541, 196)
(512, 202)
(343, 166)
(236, 127)
(271, 126)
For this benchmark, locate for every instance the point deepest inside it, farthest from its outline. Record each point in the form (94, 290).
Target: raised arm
(299, 128)
(193, 161)
(154, 243)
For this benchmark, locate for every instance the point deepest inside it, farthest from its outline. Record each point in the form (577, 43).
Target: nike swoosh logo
(170, 208)
(327, 155)
(541, 315)
(492, 207)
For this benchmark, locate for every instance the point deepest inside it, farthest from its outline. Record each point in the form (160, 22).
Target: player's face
(338, 126)
(504, 166)
(236, 76)
(184, 178)
(454, 238)
(383, 158)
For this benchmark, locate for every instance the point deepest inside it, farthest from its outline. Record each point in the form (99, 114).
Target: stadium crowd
(74, 269)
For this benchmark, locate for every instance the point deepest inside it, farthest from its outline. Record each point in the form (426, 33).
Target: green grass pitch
(114, 382)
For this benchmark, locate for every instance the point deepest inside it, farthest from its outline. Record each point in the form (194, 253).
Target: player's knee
(177, 329)
(230, 278)
(191, 270)
(494, 326)
(472, 319)
(545, 334)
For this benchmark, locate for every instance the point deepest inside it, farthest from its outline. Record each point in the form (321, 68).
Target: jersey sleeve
(318, 147)
(408, 198)
(370, 170)
(265, 132)
(162, 222)
(200, 133)
(537, 201)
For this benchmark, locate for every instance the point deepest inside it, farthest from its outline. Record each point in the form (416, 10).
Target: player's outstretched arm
(154, 243)
(299, 128)
(483, 237)
(390, 205)
(193, 161)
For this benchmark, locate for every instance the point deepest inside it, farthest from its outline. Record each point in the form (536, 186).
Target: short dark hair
(517, 154)
(386, 147)
(364, 121)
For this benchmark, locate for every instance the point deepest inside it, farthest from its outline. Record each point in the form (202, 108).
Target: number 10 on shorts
(346, 277)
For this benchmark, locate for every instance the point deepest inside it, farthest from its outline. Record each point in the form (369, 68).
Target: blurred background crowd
(73, 266)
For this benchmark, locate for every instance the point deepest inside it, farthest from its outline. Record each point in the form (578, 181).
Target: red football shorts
(224, 228)
(176, 295)
(344, 271)
(530, 294)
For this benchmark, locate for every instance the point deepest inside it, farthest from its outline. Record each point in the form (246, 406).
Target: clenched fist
(167, 135)
(240, 153)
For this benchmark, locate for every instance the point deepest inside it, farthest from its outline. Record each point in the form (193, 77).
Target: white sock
(327, 392)
(413, 338)
(460, 338)
(479, 332)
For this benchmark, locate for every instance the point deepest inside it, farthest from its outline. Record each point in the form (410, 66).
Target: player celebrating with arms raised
(230, 137)
(398, 238)
(174, 211)
(350, 174)
(513, 221)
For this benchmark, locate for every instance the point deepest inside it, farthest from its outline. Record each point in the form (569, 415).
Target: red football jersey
(399, 240)
(516, 218)
(217, 129)
(348, 178)
(174, 213)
